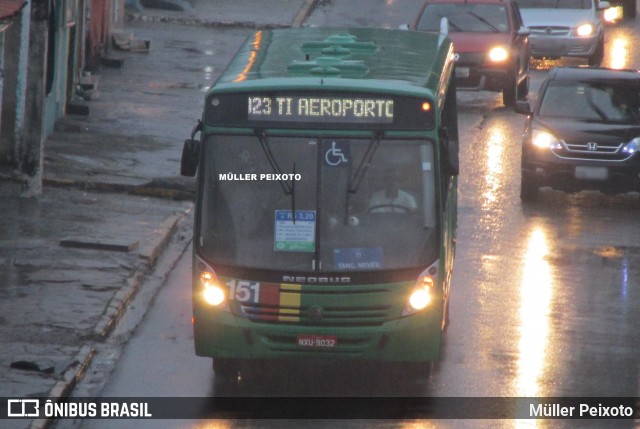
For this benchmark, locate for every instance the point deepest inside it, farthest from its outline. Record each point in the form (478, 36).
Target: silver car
(565, 28)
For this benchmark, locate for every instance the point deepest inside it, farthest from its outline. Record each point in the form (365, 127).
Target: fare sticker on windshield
(298, 236)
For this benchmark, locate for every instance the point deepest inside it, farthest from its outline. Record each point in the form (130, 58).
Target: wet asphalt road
(545, 297)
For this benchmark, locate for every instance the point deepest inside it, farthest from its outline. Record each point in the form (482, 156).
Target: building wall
(62, 68)
(60, 30)
(12, 85)
(98, 31)
(45, 51)
(118, 16)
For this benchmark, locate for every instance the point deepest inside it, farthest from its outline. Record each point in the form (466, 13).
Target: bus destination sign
(320, 109)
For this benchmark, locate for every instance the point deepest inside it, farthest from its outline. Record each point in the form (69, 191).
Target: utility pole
(31, 151)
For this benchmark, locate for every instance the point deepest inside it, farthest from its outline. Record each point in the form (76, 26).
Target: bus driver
(392, 199)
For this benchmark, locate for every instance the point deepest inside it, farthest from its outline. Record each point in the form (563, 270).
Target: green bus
(326, 204)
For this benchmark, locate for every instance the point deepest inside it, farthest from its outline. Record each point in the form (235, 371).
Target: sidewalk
(71, 260)
(229, 13)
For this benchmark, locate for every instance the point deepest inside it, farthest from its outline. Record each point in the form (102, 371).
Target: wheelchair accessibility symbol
(336, 153)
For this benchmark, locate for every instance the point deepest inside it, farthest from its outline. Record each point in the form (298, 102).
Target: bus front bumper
(414, 338)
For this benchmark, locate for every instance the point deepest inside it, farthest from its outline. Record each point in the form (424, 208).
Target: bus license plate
(591, 173)
(462, 72)
(317, 341)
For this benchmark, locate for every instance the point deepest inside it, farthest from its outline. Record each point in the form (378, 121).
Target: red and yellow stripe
(285, 298)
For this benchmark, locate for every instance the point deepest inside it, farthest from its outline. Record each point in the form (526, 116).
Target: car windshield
(465, 17)
(596, 101)
(555, 4)
(360, 204)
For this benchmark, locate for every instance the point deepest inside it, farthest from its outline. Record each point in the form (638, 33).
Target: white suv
(565, 28)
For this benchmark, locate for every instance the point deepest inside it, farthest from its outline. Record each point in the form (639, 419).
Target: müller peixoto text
(260, 176)
(581, 411)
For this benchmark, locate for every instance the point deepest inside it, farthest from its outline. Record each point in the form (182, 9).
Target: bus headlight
(585, 30)
(420, 298)
(212, 291)
(498, 54)
(421, 295)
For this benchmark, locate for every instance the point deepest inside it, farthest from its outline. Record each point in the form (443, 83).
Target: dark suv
(490, 41)
(583, 132)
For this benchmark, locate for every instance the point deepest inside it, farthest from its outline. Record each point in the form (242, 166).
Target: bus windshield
(318, 204)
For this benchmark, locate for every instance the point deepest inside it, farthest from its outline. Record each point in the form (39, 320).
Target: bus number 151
(244, 291)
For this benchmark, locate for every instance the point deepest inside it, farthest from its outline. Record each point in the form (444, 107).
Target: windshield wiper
(361, 170)
(452, 24)
(287, 188)
(365, 162)
(484, 21)
(293, 194)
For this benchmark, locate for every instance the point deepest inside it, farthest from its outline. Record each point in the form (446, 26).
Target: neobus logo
(323, 280)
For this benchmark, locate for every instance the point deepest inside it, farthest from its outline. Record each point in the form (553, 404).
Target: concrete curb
(85, 185)
(64, 387)
(199, 22)
(118, 305)
(114, 312)
(304, 12)
(139, 190)
(151, 252)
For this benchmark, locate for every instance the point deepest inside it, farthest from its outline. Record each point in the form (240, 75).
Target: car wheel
(509, 94)
(598, 55)
(528, 189)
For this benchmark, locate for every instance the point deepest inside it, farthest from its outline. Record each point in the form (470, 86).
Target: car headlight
(585, 30)
(544, 140)
(498, 54)
(632, 147)
(613, 14)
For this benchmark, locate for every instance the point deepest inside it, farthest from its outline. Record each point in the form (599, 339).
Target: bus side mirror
(190, 156)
